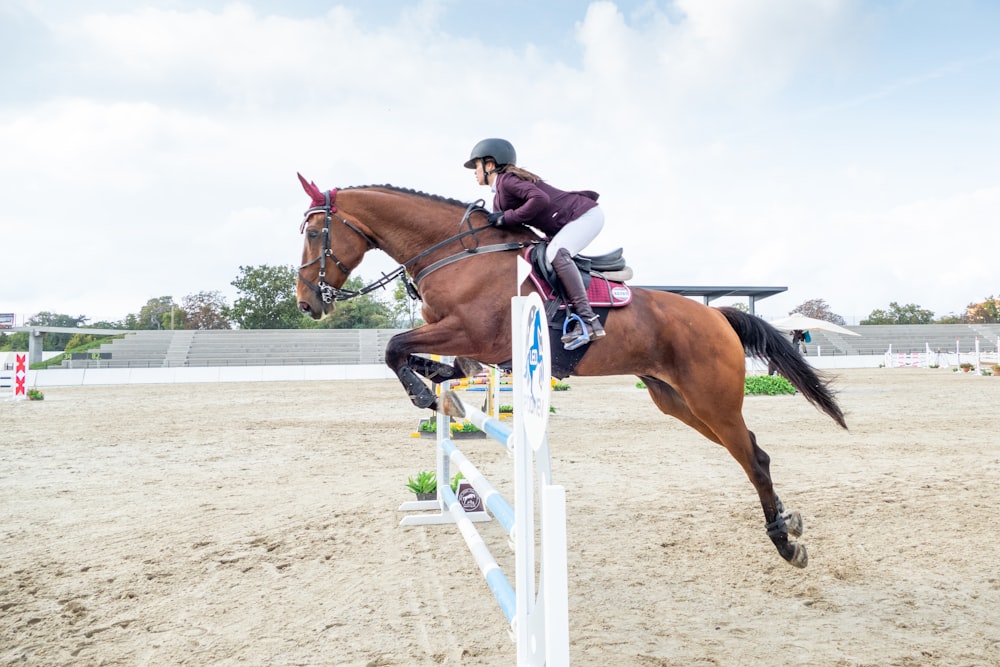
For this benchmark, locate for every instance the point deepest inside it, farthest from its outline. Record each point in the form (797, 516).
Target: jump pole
(538, 615)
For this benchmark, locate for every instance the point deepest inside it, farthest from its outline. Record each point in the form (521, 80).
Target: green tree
(405, 309)
(104, 324)
(911, 313)
(204, 310)
(818, 309)
(987, 312)
(56, 341)
(267, 298)
(158, 313)
(14, 342)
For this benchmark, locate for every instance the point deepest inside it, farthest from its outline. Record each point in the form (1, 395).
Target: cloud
(157, 148)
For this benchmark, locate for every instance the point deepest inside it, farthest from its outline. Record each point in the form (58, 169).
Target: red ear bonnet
(317, 197)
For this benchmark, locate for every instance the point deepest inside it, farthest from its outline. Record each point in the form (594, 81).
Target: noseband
(328, 293)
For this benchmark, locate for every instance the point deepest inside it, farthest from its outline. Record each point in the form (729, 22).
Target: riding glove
(495, 218)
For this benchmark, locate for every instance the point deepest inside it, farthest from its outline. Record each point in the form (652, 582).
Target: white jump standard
(538, 616)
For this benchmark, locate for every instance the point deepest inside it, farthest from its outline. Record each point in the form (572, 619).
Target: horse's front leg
(400, 357)
(438, 372)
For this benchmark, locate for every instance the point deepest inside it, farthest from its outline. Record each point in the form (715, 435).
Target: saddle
(603, 275)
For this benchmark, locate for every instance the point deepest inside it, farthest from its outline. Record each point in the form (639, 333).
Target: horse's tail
(763, 341)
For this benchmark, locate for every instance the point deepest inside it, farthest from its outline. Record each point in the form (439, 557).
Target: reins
(328, 293)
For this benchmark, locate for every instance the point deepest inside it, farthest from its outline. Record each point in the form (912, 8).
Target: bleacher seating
(273, 347)
(242, 347)
(876, 339)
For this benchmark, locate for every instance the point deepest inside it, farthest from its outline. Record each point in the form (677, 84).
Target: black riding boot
(576, 295)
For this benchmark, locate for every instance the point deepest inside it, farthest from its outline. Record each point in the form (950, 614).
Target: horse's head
(333, 247)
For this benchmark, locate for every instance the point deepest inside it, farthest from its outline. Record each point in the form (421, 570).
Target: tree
(405, 309)
(158, 313)
(267, 298)
(14, 342)
(56, 341)
(818, 309)
(131, 322)
(104, 324)
(987, 312)
(204, 310)
(911, 313)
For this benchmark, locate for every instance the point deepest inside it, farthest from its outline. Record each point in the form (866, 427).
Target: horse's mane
(409, 191)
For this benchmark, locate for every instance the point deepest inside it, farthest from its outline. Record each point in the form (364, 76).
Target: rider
(570, 220)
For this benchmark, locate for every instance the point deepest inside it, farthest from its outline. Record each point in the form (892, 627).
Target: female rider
(570, 220)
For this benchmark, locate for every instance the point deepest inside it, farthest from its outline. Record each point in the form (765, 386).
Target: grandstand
(239, 347)
(876, 339)
(316, 347)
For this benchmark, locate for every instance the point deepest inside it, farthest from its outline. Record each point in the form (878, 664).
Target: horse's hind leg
(741, 443)
(780, 523)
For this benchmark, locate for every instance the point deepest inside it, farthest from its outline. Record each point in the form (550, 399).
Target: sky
(848, 150)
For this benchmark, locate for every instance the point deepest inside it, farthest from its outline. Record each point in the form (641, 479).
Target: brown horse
(691, 357)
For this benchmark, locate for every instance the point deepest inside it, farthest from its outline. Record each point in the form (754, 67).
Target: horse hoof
(450, 404)
(469, 367)
(793, 523)
(799, 557)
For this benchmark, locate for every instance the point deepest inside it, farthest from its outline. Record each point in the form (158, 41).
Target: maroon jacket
(539, 205)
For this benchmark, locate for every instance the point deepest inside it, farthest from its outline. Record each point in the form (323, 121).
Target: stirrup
(569, 341)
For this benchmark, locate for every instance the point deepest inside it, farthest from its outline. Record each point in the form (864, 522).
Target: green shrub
(426, 482)
(769, 385)
(430, 426)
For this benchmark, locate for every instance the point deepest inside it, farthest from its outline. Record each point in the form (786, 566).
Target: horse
(690, 356)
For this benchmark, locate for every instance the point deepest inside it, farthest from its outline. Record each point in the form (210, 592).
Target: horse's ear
(310, 188)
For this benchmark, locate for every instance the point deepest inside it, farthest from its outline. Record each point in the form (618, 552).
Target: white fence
(944, 358)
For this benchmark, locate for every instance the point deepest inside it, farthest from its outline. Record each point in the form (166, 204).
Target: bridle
(328, 293)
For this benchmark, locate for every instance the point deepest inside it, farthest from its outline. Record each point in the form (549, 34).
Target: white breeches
(578, 234)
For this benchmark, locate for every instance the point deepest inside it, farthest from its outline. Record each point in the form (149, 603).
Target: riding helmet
(500, 150)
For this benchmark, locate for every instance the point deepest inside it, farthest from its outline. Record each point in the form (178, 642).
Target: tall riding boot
(576, 295)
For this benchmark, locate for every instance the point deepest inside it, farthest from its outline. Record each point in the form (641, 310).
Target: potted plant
(428, 429)
(996, 370)
(35, 395)
(425, 485)
(965, 366)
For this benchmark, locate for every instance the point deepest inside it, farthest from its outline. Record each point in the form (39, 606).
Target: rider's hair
(523, 174)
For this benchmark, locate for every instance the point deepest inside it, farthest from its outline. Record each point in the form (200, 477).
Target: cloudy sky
(846, 149)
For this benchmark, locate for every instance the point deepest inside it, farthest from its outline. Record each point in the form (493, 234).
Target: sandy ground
(257, 525)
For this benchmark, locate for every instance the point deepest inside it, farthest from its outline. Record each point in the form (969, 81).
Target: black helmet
(500, 150)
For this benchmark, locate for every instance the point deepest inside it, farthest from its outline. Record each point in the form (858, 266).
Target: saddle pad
(601, 292)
